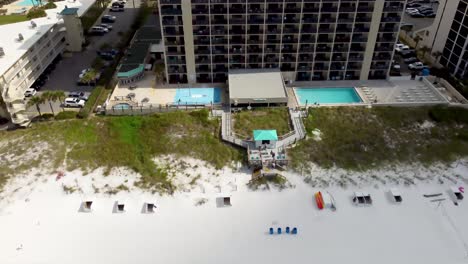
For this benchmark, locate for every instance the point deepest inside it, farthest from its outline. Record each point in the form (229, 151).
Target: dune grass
(261, 118)
(361, 138)
(132, 142)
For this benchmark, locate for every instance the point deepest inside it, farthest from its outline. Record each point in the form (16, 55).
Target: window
(462, 7)
(455, 26)
(461, 40)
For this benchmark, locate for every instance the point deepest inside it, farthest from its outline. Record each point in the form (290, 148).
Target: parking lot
(65, 75)
(420, 22)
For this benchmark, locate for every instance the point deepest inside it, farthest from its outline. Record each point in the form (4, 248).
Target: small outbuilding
(224, 201)
(256, 88)
(265, 138)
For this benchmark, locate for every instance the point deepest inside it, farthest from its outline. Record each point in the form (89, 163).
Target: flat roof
(265, 135)
(256, 84)
(15, 49)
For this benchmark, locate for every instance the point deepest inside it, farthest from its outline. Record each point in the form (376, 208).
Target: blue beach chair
(287, 229)
(279, 230)
(271, 231)
(294, 231)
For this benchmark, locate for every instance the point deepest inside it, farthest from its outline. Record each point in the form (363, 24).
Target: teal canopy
(132, 72)
(265, 135)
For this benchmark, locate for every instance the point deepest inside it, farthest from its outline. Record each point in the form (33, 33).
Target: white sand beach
(40, 223)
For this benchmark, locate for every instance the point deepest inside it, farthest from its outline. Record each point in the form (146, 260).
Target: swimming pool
(28, 2)
(121, 106)
(341, 95)
(194, 96)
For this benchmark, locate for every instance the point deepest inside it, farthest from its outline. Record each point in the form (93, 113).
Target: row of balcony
(279, 9)
(277, 29)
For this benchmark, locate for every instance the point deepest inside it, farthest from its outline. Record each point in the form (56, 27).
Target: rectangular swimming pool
(197, 96)
(341, 95)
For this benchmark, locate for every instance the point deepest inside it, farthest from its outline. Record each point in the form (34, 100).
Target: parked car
(430, 15)
(408, 53)
(413, 5)
(83, 72)
(118, 4)
(96, 30)
(79, 95)
(417, 66)
(107, 54)
(410, 60)
(73, 102)
(415, 15)
(108, 19)
(30, 92)
(109, 27)
(401, 47)
(117, 9)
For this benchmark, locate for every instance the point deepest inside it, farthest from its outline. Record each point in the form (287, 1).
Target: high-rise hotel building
(307, 39)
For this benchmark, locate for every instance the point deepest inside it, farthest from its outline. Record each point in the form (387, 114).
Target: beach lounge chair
(271, 231)
(279, 230)
(287, 230)
(367, 198)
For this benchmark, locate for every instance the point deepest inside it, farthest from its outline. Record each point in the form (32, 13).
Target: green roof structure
(131, 72)
(265, 135)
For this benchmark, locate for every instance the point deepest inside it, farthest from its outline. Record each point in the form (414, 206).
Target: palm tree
(60, 96)
(48, 96)
(36, 100)
(424, 49)
(416, 40)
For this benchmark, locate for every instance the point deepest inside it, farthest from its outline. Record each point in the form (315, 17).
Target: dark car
(108, 19)
(107, 54)
(430, 14)
(410, 60)
(417, 15)
(408, 54)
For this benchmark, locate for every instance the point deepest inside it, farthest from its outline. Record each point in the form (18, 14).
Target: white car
(411, 10)
(73, 102)
(30, 92)
(83, 72)
(417, 66)
(401, 47)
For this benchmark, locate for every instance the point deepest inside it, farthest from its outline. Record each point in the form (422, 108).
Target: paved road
(66, 73)
(421, 22)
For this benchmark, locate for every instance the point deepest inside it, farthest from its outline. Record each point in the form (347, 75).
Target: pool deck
(155, 95)
(396, 91)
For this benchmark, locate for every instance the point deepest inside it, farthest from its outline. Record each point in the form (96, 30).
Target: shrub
(49, 5)
(88, 108)
(36, 12)
(449, 114)
(47, 116)
(66, 115)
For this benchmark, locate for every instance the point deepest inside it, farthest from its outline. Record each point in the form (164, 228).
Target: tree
(437, 55)
(36, 100)
(416, 40)
(47, 96)
(424, 49)
(60, 96)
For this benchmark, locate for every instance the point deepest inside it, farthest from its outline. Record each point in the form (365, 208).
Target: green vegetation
(261, 118)
(93, 13)
(66, 115)
(361, 138)
(278, 181)
(8, 19)
(132, 142)
(89, 105)
(34, 12)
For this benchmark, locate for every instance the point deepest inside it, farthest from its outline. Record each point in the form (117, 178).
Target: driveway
(65, 75)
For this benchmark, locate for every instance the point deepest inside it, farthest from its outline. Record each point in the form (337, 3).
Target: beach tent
(119, 207)
(396, 195)
(224, 201)
(361, 198)
(148, 208)
(457, 193)
(86, 206)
